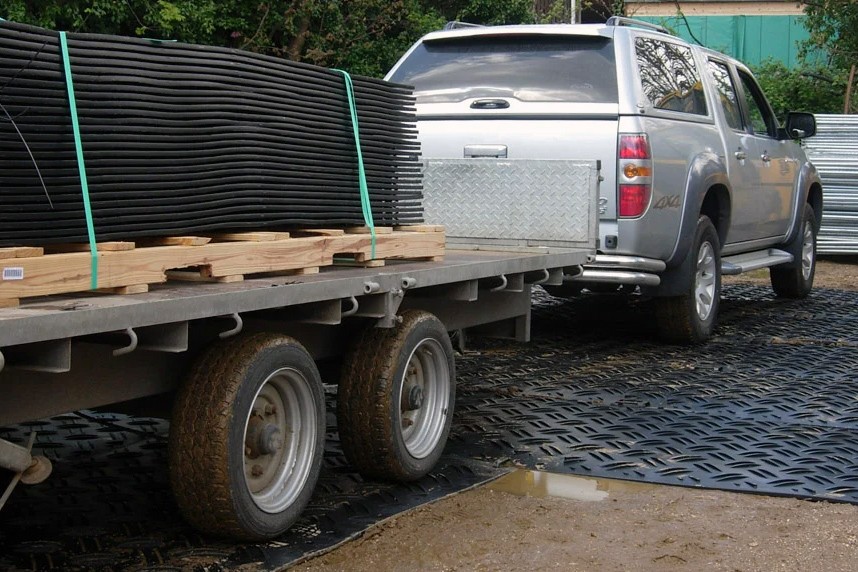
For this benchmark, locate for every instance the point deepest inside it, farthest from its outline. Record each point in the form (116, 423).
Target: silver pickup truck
(700, 180)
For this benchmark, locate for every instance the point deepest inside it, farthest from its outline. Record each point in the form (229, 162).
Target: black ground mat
(107, 506)
(769, 406)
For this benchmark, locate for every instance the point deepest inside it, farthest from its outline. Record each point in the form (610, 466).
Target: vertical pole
(847, 104)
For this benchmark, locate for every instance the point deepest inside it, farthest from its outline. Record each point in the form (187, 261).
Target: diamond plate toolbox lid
(513, 202)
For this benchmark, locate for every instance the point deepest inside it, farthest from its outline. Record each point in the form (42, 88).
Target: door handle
(765, 157)
(490, 104)
(492, 151)
(740, 155)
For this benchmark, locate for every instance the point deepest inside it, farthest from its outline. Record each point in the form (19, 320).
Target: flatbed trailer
(238, 365)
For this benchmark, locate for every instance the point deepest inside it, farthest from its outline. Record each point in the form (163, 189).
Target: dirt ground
(642, 528)
(840, 272)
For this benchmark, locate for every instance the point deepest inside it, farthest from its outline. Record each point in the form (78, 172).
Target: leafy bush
(812, 89)
(496, 12)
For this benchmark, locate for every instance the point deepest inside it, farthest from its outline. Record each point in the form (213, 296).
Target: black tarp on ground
(181, 138)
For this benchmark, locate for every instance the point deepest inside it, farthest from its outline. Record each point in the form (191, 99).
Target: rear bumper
(617, 269)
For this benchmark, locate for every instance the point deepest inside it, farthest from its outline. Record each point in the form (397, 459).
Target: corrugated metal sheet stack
(834, 151)
(181, 138)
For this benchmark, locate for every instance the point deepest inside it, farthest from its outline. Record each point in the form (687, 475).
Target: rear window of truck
(528, 68)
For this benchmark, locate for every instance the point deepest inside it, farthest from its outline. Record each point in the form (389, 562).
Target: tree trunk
(296, 46)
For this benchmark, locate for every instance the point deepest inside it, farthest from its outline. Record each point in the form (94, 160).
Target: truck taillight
(634, 146)
(634, 175)
(633, 200)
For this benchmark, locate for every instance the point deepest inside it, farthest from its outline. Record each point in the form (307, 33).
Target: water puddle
(538, 484)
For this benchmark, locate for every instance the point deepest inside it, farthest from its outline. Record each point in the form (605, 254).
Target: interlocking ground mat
(179, 138)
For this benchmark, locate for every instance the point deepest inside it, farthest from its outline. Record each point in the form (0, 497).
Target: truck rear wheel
(690, 318)
(247, 437)
(396, 396)
(795, 280)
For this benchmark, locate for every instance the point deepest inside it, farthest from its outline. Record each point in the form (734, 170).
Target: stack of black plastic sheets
(181, 138)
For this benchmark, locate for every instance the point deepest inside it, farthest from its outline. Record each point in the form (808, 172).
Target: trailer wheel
(396, 396)
(795, 280)
(247, 437)
(690, 318)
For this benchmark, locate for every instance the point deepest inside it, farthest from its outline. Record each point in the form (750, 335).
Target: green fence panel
(751, 39)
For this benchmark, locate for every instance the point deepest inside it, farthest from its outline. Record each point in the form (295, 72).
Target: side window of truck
(762, 120)
(726, 94)
(669, 76)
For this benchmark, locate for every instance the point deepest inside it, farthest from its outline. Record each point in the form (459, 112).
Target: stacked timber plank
(183, 139)
(131, 267)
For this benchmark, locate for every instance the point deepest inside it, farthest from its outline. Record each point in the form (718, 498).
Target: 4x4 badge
(671, 202)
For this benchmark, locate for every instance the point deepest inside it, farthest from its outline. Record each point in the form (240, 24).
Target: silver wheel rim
(807, 254)
(704, 281)
(424, 398)
(279, 440)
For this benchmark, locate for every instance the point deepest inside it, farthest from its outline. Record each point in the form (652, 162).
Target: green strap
(81, 167)
(364, 190)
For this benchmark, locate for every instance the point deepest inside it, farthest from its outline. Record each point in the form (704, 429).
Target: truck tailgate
(567, 137)
(514, 202)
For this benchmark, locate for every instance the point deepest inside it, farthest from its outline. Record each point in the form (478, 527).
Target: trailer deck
(35, 338)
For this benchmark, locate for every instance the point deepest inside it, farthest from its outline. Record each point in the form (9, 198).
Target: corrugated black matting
(181, 138)
(770, 406)
(107, 506)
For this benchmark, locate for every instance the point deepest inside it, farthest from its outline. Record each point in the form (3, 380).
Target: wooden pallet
(130, 267)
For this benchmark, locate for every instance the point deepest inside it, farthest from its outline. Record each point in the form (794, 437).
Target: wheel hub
(424, 398)
(262, 438)
(270, 440)
(807, 253)
(279, 439)
(415, 398)
(704, 282)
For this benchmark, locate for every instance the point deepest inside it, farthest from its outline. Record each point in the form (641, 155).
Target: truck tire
(691, 317)
(795, 280)
(247, 437)
(396, 397)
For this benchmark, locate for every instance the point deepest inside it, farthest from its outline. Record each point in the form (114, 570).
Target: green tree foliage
(816, 90)
(558, 12)
(495, 12)
(363, 36)
(833, 27)
(488, 12)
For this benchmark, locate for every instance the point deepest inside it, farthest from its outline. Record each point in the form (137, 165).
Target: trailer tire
(247, 437)
(795, 280)
(396, 397)
(691, 317)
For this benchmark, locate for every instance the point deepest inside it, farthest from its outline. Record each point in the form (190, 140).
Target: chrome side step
(739, 263)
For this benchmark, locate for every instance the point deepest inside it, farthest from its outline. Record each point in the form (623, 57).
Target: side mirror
(800, 125)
